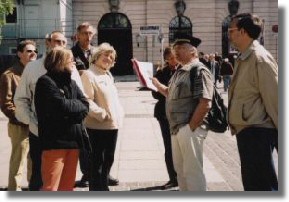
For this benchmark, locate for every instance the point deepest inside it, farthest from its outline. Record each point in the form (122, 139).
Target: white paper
(144, 72)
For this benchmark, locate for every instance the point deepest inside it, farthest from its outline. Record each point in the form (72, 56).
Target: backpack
(216, 119)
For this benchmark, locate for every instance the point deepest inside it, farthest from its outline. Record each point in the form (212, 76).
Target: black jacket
(81, 61)
(163, 75)
(61, 108)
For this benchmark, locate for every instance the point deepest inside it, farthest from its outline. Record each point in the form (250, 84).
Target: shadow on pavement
(156, 188)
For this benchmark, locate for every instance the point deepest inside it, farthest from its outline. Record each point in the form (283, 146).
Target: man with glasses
(253, 104)
(25, 108)
(17, 131)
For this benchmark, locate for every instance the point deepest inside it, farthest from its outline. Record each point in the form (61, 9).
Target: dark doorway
(115, 29)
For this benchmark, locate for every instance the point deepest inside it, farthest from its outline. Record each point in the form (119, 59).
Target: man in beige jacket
(253, 104)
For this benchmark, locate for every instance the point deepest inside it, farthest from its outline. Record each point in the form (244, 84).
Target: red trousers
(58, 169)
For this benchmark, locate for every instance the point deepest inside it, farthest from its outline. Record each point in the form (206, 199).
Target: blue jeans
(256, 146)
(227, 81)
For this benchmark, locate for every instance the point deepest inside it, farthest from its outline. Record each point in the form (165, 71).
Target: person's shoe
(81, 183)
(170, 184)
(112, 181)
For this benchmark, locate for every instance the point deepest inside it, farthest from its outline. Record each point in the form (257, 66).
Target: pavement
(139, 158)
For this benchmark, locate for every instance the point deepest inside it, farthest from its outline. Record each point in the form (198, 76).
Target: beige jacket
(105, 110)
(253, 93)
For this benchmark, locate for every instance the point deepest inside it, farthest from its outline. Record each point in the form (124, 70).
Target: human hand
(155, 81)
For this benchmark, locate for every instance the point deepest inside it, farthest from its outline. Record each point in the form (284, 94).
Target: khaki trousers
(187, 148)
(58, 169)
(19, 154)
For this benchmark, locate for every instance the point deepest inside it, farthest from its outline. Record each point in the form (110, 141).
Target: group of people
(252, 107)
(52, 102)
(52, 105)
(221, 68)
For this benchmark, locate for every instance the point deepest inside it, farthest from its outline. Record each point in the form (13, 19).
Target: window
(12, 50)
(114, 20)
(179, 24)
(11, 18)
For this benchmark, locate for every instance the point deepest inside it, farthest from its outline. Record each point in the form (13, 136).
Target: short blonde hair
(56, 59)
(102, 48)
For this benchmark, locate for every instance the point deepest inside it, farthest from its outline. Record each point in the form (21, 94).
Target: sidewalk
(139, 158)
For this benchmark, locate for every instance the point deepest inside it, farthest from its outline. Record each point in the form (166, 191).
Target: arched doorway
(115, 28)
(179, 24)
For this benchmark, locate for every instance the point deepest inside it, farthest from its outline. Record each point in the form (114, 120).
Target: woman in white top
(104, 117)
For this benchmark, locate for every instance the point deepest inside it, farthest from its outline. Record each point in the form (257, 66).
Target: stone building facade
(120, 25)
(206, 17)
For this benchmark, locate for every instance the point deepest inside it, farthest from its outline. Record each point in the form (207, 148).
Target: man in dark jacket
(226, 72)
(82, 52)
(164, 75)
(83, 49)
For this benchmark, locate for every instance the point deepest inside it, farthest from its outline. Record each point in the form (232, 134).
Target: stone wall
(205, 15)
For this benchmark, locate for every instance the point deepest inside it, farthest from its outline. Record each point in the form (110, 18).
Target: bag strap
(195, 71)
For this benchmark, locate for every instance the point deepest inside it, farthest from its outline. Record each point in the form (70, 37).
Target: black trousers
(35, 152)
(103, 143)
(165, 129)
(84, 164)
(256, 146)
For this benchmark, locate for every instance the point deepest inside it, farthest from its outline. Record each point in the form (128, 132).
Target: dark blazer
(82, 62)
(163, 75)
(206, 63)
(60, 107)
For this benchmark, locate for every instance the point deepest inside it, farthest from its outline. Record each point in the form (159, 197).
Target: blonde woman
(60, 107)
(104, 117)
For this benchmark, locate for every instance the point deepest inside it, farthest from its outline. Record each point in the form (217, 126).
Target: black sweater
(163, 75)
(61, 108)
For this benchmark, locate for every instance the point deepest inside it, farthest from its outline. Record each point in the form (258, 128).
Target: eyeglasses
(230, 30)
(30, 51)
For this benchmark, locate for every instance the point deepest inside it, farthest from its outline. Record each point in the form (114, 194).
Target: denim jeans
(227, 81)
